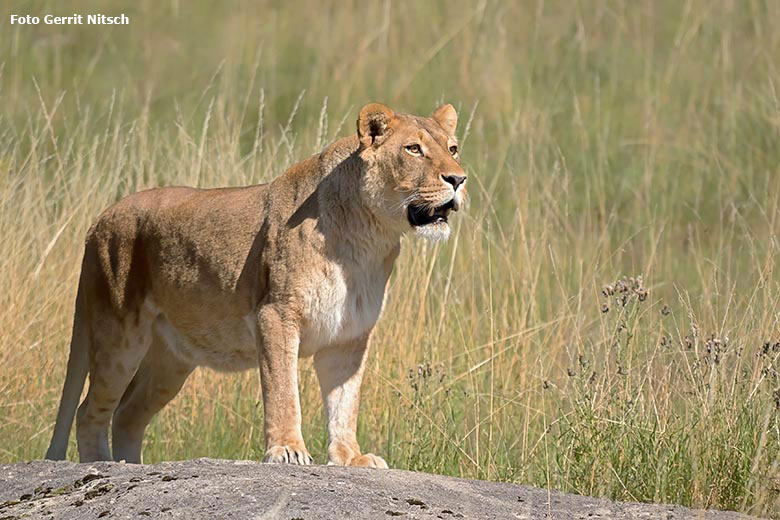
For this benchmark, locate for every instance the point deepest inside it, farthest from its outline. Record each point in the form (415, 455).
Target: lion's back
(169, 240)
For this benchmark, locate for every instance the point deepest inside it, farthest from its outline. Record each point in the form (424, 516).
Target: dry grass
(603, 139)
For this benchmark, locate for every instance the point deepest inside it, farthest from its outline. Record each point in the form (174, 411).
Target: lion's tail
(78, 366)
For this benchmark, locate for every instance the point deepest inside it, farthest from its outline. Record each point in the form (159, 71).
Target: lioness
(233, 278)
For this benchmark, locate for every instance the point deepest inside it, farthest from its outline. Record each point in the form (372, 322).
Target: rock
(239, 489)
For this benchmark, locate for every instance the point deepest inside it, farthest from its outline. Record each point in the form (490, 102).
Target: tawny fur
(234, 278)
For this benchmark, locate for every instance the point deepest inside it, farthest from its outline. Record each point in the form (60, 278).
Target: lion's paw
(369, 460)
(288, 455)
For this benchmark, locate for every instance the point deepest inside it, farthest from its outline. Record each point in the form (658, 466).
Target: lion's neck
(359, 232)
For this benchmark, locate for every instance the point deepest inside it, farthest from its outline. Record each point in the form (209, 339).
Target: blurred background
(604, 319)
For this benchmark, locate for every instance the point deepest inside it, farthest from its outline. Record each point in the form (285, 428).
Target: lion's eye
(414, 149)
(454, 150)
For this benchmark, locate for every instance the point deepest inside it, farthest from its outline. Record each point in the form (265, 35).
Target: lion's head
(413, 177)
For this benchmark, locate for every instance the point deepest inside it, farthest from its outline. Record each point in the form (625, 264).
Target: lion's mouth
(421, 216)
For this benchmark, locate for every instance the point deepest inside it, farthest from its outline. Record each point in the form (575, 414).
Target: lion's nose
(455, 180)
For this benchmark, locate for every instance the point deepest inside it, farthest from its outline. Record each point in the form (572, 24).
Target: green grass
(602, 139)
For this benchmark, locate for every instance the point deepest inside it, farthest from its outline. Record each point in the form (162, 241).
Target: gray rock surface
(209, 488)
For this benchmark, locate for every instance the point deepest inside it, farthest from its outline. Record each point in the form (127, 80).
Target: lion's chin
(434, 232)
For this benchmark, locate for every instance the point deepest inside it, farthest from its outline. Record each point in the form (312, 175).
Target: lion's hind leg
(118, 346)
(158, 380)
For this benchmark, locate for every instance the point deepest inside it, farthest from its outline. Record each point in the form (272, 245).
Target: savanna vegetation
(604, 319)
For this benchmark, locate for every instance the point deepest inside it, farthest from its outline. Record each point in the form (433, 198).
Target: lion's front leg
(278, 342)
(340, 372)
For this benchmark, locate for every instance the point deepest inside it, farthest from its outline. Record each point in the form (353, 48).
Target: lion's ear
(373, 124)
(447, 118)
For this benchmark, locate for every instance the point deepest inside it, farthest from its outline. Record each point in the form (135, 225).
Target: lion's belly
(338, 309)
(224, 343)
